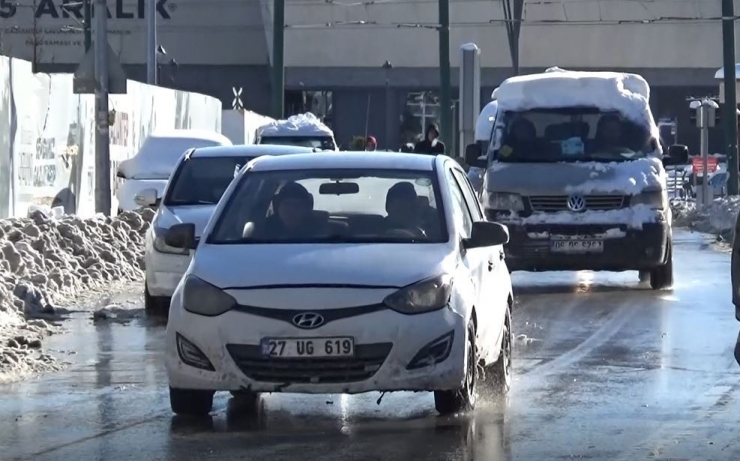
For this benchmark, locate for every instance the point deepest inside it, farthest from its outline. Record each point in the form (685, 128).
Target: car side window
(460, 211)
(469, 194)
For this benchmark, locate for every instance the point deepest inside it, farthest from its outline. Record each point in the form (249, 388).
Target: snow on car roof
(349, 160)
(251, 150)
(192, 134)
(625, 93)
(298, 125)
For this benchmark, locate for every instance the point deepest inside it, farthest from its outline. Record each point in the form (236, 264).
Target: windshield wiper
(191, 202)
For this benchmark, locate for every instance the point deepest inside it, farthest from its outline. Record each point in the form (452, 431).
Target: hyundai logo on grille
(576, 203)
(308, 320)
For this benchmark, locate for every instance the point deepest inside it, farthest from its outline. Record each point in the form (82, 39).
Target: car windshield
(321, 142)
(202, 180)
(569, 135)
(332, 206)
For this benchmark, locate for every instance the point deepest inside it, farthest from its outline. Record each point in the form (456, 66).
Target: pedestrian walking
(431, 143)
(371, 144)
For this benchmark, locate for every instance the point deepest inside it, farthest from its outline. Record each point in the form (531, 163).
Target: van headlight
(502, 201)
(159, 245)
(424, 296)
(656, 199)
(202, 298)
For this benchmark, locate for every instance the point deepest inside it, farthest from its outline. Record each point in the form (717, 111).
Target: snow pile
(45, 261)
(625, 93)
(628, 177)
(298, 125)
(633, 217)
(718, 218)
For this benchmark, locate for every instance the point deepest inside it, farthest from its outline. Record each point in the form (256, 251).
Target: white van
(483, 130)
(574, 170)
(152, 165)
(302, 130)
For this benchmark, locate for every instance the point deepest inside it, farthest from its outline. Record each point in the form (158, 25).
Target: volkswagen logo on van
(308, 320)
(576, 203)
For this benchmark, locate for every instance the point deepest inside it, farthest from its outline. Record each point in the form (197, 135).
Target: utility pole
(151, 42)
(445, 102)
(387, 66)
(102, 148)
(278, 63)
(87, 23)
(730, 115)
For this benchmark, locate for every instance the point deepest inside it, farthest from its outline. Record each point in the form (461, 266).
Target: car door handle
(490, 266)
(501, 255)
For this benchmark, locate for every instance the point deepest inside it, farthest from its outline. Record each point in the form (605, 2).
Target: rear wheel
(462, 399)
(191, 402)
(662, 276)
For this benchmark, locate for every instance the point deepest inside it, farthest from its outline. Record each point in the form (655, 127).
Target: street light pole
(730, 114)
(151, 42)
(387, 66)
(444, 74)
(87, 23)
(102, 135)
(278, 63)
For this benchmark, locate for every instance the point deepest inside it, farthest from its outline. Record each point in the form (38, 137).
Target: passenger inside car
(403, 209)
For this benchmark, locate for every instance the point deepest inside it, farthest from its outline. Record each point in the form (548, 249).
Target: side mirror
(146, 197)
(119, 174)
(487, 234)
(678, 154)
(472, 156)
(181, 236)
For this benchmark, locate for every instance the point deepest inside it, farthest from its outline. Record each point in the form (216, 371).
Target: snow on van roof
(298, 125)
(625, 93)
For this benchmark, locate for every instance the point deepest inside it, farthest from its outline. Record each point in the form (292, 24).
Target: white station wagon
(342, 273)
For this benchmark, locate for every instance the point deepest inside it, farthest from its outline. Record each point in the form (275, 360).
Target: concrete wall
(47, 146)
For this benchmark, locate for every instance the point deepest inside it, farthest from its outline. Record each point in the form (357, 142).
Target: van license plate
(577, 246)
(308, 347)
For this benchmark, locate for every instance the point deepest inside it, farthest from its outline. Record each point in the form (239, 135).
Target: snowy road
(608, 370)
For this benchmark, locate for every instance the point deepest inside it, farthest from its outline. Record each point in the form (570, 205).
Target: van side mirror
(678, 154)
(472, 156)
(181, 236)
(487, 234)
(146, 197)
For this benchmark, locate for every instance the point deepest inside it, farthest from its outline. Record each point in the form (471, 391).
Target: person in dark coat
(431, 143)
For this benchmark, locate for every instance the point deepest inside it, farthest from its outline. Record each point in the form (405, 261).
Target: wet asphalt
(605, 369)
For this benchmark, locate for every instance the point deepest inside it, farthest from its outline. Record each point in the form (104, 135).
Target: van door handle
(490, 266)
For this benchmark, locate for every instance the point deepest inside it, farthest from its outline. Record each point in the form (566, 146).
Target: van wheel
(662, 276)
(463, 399)
(191, 402)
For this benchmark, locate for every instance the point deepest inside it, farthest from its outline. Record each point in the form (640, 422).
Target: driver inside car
(402, 206)
(293, 214)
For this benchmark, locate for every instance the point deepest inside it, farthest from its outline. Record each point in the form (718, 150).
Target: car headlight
(656, 199)
(159, 245)
(202, 298)
(502, 201)
(424, 296)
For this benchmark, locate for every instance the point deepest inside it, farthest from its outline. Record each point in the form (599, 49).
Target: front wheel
(191, 402)
(662, 276)
(463, 399)
(498, 375)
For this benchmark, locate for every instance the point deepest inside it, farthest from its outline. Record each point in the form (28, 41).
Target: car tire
(155, 304)
(191, 402)
(463, 399)
(498, 375)
(662, 276)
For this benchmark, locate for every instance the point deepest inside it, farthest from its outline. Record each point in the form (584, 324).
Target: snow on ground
(718, 218)
(47, 262)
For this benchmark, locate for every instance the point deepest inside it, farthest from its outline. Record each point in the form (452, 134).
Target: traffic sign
(697, 164)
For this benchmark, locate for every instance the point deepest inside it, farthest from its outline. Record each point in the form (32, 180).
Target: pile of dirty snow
(298, 125)
(718, 218)
(46, 261)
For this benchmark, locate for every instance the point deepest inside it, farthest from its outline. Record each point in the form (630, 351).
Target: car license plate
(308, 347)
(577, 246)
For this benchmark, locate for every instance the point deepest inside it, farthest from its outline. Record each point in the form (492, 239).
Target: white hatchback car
(342, 273)
(199, 179)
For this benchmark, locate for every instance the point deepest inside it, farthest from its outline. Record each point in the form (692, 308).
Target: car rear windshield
(313, 142)
(202, 180)
(568, 135)
(333, 206)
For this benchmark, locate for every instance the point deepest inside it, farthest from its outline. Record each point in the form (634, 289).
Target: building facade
(334, 51)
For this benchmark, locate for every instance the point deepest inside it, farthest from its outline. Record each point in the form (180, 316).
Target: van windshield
(313, 142)
(569, 135)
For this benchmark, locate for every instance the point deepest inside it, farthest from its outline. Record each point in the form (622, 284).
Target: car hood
(168, 216)
(630, 177)
(377, 265)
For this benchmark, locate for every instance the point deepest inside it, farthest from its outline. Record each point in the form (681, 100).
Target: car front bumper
(231, 343)
(529, 247)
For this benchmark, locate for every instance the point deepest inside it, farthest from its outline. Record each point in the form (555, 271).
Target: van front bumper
(530, 247)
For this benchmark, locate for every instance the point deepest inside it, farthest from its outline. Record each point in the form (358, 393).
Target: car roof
(342, 160)
(251, 150)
